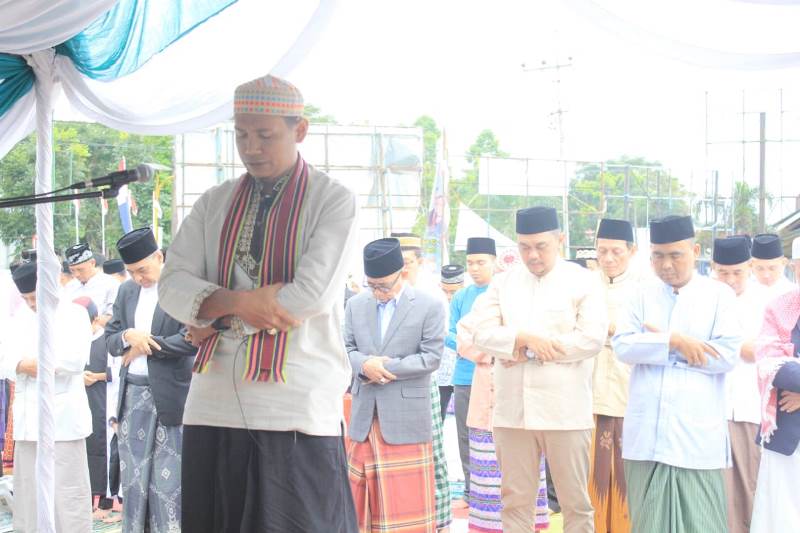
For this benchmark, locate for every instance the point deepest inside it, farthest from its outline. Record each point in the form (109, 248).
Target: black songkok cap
(618, 230)
(746, 237)
(454, 274)
(382, 258)
(24, 278)
(767, 246)
(731, 251)
(671, 228)
(114, 266)
(78, 253)
(481, 245)
(536, 220)
(136, 245)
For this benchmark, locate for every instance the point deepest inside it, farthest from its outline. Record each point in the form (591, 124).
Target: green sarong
(443, 504)
(668, 499)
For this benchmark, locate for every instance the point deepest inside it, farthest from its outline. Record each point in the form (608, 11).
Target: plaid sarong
(444, 514)
(392, 484)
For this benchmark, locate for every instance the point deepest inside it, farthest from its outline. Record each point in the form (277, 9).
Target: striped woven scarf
(265, 353)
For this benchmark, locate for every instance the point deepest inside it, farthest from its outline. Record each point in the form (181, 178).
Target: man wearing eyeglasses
(394, 337)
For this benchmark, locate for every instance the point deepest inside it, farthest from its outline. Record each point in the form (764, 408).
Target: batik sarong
(607, 477)
(392, 485)
(679, 500)
(150, 466)
(484, 497)
(444, 513)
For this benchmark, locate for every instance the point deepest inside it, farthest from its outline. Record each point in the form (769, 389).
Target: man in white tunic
(90, 281)
(543, 321)
(72, 417)
(681, 334)
(262, 259)
(731, 264)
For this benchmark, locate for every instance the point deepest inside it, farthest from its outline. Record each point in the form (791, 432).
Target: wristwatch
(530, 355)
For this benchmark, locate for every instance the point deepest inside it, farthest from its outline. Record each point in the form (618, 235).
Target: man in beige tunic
(256, 270)
(543, 321)
(615, 250)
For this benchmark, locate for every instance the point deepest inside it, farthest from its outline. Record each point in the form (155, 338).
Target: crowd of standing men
(656, 398)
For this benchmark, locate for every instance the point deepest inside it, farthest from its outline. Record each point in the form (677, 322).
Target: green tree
(83, 151)
(599, 191)
(745, 208)
(315, 116)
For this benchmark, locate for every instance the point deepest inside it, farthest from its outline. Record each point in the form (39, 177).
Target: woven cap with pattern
(268, 96)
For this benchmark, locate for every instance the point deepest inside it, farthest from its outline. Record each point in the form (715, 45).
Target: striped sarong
(444, 512)
(392, 484)
(484, 494)
(607, 477)
(678, 500)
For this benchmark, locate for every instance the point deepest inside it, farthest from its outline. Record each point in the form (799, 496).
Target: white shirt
(566, 305)
(744, 399)
(101, 288)
(72, 342)
(676, 412)
(143, 321)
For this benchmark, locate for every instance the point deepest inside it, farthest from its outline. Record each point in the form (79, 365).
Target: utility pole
(559, 114)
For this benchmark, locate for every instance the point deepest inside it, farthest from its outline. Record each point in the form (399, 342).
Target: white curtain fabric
(190, 84)
(47, 291)
(717, 34)
(27, 26)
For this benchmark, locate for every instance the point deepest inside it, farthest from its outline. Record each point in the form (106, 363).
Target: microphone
(117, 179)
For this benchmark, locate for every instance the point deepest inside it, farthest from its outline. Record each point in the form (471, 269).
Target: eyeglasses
(382, 287)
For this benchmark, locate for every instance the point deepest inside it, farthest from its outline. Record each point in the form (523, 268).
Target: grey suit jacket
(169, 370)
(415, 341)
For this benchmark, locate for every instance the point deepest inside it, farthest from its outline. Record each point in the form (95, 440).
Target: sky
(640, 79)
(461, 63)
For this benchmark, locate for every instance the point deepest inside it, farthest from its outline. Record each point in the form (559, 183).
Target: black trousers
(445, 392)
(240, 481)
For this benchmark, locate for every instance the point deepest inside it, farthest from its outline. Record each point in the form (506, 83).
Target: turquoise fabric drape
(16, 79)
(132, 32)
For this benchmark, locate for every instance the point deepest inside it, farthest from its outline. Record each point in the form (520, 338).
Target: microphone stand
(32, 200)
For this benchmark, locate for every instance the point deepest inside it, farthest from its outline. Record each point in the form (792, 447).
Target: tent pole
(47, 289)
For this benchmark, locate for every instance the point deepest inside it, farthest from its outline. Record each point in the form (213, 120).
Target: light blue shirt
(459, 308)
(676, 413)
(386, 312)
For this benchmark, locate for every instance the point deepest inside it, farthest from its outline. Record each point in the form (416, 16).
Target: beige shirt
(565, 305)
(611, 376)
(317, 367)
